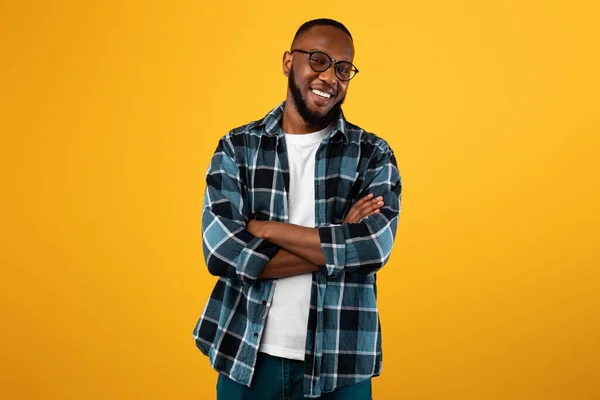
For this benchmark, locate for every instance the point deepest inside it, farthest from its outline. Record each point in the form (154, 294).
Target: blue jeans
(281, 379)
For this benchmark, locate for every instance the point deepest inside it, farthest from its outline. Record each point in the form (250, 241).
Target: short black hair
(320, 22)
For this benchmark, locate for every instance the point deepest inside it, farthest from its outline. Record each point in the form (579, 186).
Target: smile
(321, 94)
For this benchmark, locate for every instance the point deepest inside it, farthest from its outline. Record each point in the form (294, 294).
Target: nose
(328, 76)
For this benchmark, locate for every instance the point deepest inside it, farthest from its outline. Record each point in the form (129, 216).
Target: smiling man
(300, 212)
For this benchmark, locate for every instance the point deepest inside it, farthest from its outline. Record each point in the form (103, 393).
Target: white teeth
(322, 94)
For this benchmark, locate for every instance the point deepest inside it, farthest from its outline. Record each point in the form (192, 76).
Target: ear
(287, 63)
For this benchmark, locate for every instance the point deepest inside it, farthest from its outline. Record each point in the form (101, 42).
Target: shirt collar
(272, 123)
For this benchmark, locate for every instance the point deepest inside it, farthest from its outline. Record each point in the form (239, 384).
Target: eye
(344, 70)
(319, 60)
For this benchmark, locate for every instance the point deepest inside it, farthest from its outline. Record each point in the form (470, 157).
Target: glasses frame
(332, 61)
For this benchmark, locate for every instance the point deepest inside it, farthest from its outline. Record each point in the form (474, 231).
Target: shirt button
(256, 335)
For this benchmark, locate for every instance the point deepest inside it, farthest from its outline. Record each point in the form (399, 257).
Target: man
(294, 311)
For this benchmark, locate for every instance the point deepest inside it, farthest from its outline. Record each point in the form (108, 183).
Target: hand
(363, 208)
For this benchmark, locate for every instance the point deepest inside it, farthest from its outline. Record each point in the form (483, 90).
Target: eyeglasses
(320, 62)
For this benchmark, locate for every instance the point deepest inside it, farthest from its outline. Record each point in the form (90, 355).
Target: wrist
(259, 228)
(265, 230)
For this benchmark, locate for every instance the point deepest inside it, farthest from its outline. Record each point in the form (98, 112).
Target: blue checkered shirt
(248, 178)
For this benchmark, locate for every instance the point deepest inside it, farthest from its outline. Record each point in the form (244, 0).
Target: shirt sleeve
(229, 249)
(365, 247)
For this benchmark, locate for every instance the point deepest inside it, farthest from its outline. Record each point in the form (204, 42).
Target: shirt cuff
(333, 246)
(253, 258)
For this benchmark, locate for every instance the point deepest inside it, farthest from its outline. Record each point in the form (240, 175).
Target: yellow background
(110, 110)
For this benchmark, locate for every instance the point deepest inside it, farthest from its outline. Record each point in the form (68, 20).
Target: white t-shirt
(285, 329)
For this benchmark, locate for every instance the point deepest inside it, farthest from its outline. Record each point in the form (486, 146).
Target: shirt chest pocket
(268, 198)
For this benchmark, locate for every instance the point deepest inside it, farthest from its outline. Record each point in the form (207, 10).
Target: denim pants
(282, 379)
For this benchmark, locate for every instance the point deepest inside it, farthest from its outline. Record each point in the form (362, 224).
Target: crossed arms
(300, 247)
(235, 245)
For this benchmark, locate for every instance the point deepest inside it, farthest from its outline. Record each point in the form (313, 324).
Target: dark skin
(286, 263)
(338, 45)
(300, 251)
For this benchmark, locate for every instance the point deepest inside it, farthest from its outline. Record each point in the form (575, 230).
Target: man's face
(318, 96)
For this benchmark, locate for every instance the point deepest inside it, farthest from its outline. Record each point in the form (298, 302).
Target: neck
(292, 122)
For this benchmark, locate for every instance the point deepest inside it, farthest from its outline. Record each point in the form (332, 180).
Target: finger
(363, 200)
(373, 210)
(376, 211)
(351, 212)
(363, 208)
(356, 206)
(350, 216)
(370, 206)
(368, 212)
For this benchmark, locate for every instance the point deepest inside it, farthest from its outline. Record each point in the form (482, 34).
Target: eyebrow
(323, 51)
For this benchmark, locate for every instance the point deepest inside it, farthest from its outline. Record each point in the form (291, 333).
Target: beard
(312, 118)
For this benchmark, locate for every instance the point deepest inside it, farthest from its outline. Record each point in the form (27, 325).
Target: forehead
(329, 39)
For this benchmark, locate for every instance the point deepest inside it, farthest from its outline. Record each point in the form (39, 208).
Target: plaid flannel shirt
(248, 178)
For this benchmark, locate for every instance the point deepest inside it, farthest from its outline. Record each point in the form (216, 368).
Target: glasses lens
(344, 70)
(319, 61)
